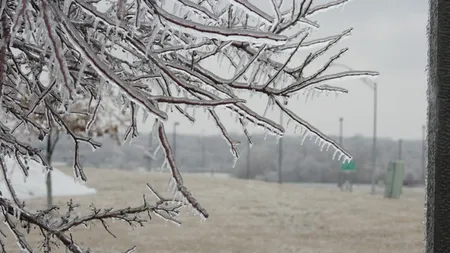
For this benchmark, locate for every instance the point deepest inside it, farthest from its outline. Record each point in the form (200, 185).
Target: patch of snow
(34, 186)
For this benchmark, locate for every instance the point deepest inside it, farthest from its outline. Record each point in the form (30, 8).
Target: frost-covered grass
(253, 216)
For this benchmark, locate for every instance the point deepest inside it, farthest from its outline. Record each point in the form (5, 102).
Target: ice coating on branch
(252, 10)
(160, 58)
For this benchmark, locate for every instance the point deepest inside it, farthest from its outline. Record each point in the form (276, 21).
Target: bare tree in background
(150, 56)
(108, 121)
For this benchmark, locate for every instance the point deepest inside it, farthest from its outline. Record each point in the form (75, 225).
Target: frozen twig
(75, 69)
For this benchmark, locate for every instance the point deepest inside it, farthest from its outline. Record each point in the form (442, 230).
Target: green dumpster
(394, 179)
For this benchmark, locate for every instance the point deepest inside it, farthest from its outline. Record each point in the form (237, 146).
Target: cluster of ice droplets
(325, 145)
(178, 198)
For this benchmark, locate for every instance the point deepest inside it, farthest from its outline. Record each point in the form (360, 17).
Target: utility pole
(202, 142)
(150, 142)
(248, 159)
(400, 144)
(423, 154)
(175, 139)
(341, 175)
(280, 152)
(374, 86)
(374, 142)
(52, 139)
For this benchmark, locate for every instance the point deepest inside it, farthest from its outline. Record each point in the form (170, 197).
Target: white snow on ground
(35, 187)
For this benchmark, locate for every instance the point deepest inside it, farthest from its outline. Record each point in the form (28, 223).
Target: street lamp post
(374, 141)
(374, 87)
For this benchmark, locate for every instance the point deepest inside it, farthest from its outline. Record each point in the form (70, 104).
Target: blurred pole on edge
(437, 200)
(423, 154)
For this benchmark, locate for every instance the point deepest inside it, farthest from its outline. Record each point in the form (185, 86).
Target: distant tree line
(301, 163)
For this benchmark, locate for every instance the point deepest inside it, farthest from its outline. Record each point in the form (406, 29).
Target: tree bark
(437, 214)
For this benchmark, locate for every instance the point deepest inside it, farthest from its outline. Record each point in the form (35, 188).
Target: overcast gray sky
(389, 36)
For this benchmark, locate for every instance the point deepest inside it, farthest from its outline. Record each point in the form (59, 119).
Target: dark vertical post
(150, 160)
(423, 154)
(341, 176)
(374, 142)
(248, 159)
(437, 215)
(280, 153)
(203, 154)
(400, 145)
(175, 139)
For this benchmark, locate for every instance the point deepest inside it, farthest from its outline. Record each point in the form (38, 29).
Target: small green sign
(348, 166)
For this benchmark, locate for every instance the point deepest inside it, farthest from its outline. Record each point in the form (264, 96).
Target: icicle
(267, 107)
(25, 178)
(202, 218)
(108, 30)
(177, 196)
(46, 172)
(144, 116)
(95, 24)
(277, 139)
(322, 145)
(168, 108)
(340, 156)
(164, 165)
(188, 208)
(152, 38)
(66, 6)
(335, 153)
(235, 161)
(81, 72)
(171, 184)
(176, 9)
(29, 29)
(305, 135)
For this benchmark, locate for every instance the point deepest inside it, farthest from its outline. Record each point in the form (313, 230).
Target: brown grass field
(250, 216)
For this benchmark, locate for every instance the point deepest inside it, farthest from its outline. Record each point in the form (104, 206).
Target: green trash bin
(394, 179)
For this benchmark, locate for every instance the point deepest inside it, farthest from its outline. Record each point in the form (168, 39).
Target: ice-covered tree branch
(67, 64)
